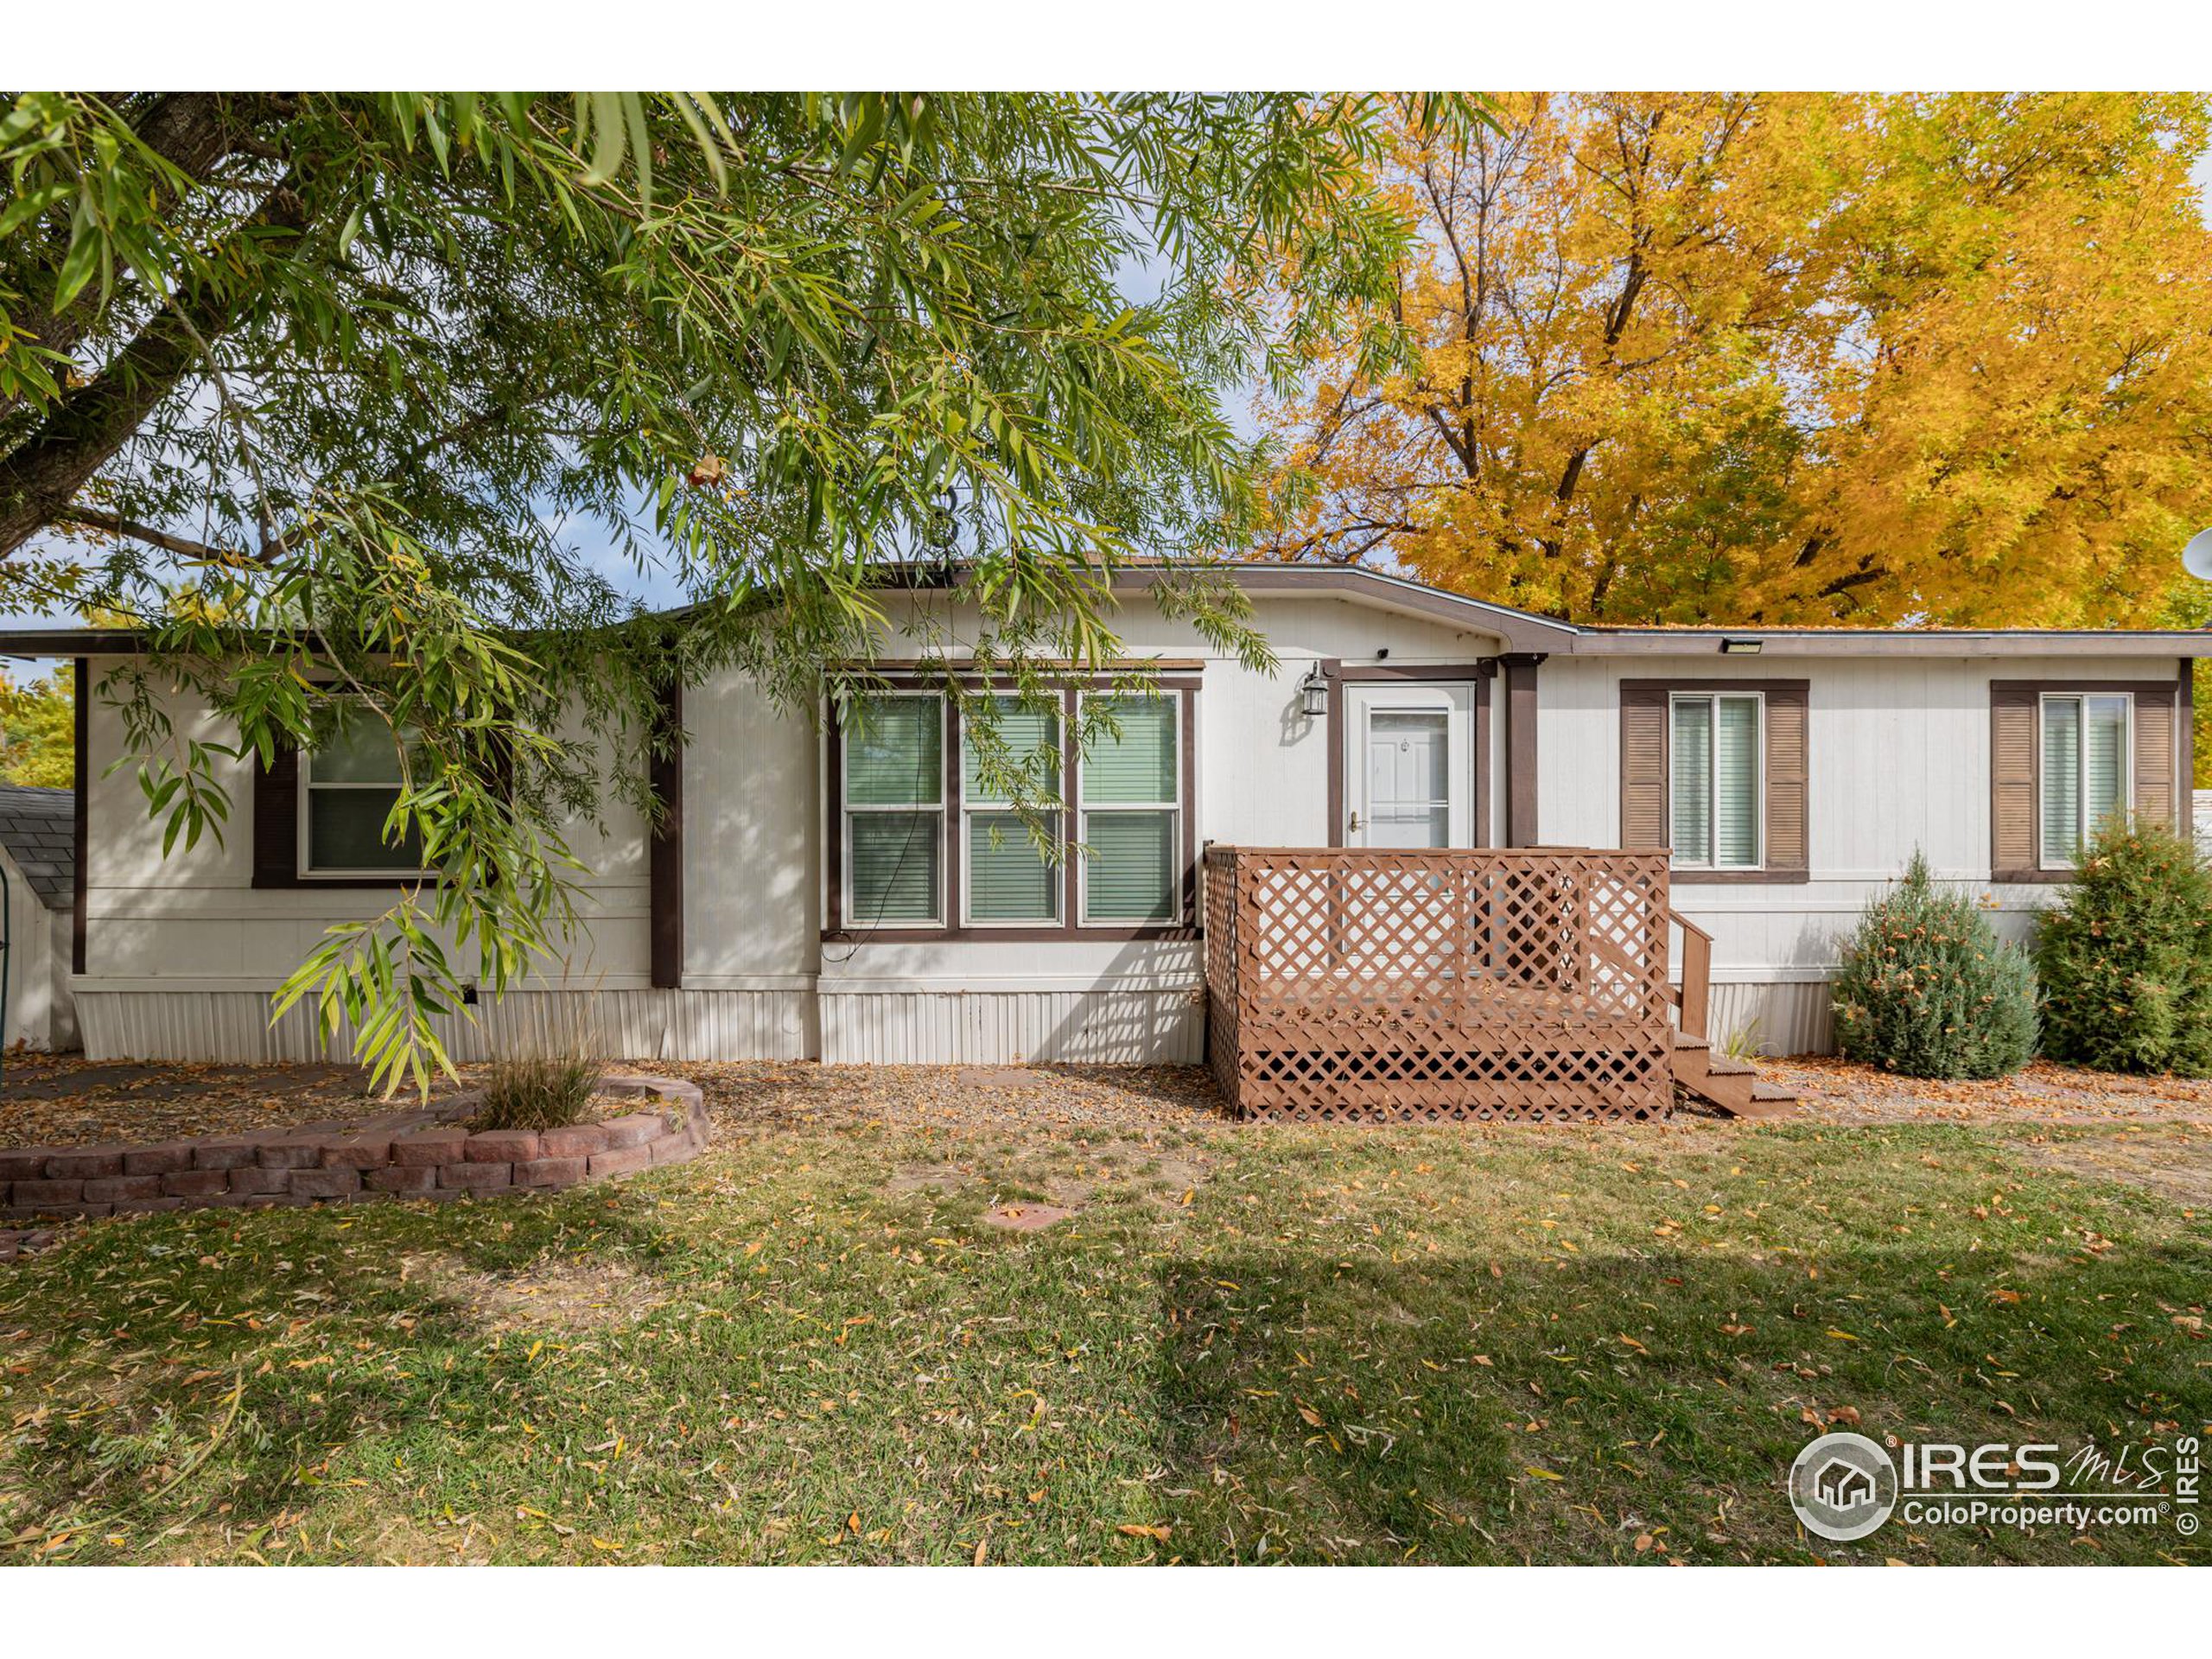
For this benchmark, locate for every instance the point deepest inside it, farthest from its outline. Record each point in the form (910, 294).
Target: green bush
(2126, 959)
(542, 1093)
(1929, 989)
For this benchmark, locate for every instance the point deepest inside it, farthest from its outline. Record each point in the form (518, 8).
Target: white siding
(183, 952)
(1899, 761)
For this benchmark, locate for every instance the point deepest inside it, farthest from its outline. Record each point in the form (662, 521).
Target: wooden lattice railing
(1350, 983)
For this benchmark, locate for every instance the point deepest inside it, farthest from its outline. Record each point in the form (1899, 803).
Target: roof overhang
(1520, 631)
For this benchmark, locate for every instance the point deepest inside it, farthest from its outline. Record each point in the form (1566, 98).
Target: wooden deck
(1350, 984)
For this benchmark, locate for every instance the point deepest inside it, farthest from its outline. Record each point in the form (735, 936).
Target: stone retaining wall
(425, 1154)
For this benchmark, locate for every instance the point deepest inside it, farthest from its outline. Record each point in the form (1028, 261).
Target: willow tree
(1817, 358)
(339, 397)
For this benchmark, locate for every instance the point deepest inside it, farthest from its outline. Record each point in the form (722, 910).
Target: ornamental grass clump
(1927, 987)
(2127, 958)
(540, 1092)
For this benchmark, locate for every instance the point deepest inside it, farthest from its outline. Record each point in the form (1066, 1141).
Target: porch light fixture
(1313, 694)
(1740, 647)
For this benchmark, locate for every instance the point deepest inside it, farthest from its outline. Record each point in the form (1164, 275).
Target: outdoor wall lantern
(1740, 647)
(1313, 694)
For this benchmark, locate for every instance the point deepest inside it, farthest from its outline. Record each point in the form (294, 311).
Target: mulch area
(48, 1101)
(1837, 1091)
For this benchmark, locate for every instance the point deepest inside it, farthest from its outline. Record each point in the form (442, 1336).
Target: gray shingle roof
(39, 828)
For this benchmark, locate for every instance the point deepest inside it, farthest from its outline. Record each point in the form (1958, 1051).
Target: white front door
(1410, 765)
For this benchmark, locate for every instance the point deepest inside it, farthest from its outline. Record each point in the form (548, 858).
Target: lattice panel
(1348, 984)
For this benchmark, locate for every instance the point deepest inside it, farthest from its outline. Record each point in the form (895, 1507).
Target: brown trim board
(1521, 718)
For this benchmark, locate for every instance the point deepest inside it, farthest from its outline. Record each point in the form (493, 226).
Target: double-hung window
(894, 810)
(2084, 749)
(1008, 880)
(349, 785)
(1714, 790)
(1130, 801)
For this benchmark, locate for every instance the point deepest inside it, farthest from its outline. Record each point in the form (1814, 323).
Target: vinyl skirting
(1101, 1026)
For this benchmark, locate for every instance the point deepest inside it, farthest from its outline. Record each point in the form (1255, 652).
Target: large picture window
(1007, 879)
(1131, 803)
(1714, 790)
(2085, 748)
(894, 811)
(348, 786)
(929, 840)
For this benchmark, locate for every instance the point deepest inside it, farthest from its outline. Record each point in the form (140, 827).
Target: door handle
(1354, 824)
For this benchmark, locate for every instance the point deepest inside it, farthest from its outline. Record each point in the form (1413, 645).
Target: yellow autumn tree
(1750, 358)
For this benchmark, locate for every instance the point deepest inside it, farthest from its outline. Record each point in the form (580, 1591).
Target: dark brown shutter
(1787, 719)
(2013, 849)
(1644, 768)
(276, 820)
(2154, 758)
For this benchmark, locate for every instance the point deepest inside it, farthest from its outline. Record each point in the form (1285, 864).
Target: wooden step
(1726, 1083)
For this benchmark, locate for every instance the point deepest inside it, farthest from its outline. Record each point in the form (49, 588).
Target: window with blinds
(1009, 878)
(1130, 784)
(894, 810)
(2085, 750)
(350, 784)
(1714, 788)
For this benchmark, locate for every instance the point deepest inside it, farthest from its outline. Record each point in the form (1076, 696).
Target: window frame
(2125, 805)
(946, 758)
(1179, 903)
(1713, 699)
(968, 810)
(304, 868)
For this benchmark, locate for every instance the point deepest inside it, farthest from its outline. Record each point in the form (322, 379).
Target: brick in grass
(291, 1151)
(502, 1147)
(401, 1177)
(551, 1171)
(225, 1155)
(357, 1151)
(619, 1160)
(24, 1164)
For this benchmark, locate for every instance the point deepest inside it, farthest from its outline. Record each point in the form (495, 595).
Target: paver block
(357, 1151)
(432, 1147)
(292, 1152)
(24, 1164)
(502, 1146)
(619, 1160)
(225, 1155)
(46, 1192)
(196, 1182)
(551, 1171)
(85, 1163)
(157, 1160)
(143, 1206)
(401, 1177)
(111, 1187)
(476, 1176)
(634, 1130)
(258, 1180)
(575, 1141)
(325, 1183)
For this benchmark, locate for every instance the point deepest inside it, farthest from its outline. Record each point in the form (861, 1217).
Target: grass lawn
(1247, 1345)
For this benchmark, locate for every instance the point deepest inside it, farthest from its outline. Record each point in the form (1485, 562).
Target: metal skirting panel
(1105, 1027)
(638, 1025)
(1785, 1018)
